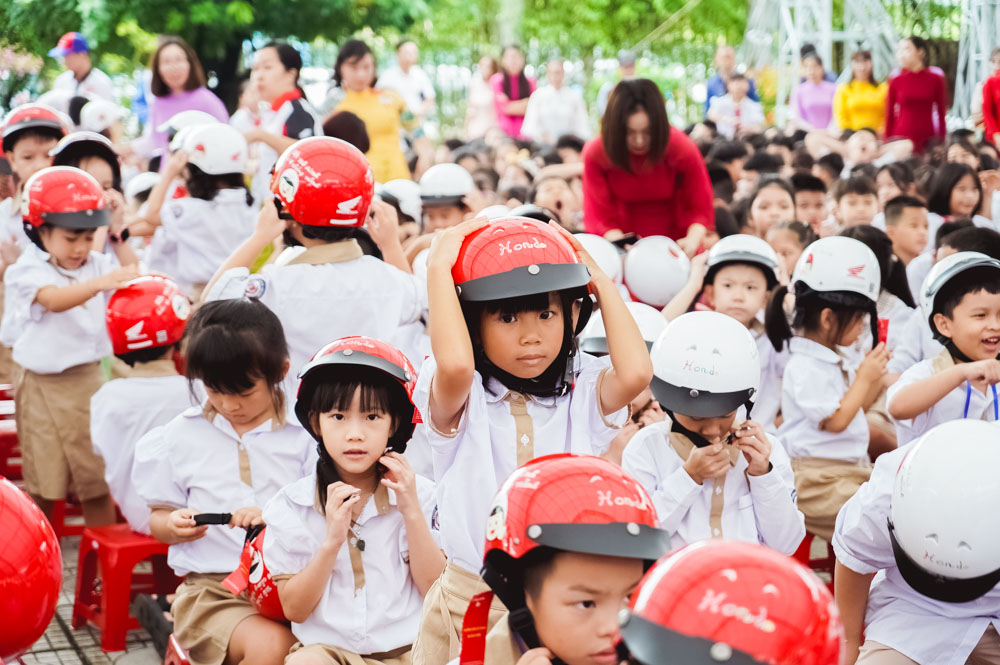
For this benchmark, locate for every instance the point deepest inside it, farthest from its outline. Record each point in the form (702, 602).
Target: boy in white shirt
(917, 554)
(960, 300)
(146, 320)
(734, 113)
(708, 476)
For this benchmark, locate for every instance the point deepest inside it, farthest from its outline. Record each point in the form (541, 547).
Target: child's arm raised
(451, 342)
(681, 303)
(426, 559)
(912, 400)
(158, 196)
(269, 227)
(126, 255)
(851, 593)
(301, 593)
(631, 369)
(383, 227)
(61, 298)
(866, 387)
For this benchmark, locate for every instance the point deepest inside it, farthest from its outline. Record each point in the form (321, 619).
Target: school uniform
(915, 343)
(767, 400)
(59, 353)
(964, 401)
(198, 461)
(498, 431)
(327, 292)
(828, 466)
(121, 412)
(370, 608)
(289, 115)
(11, 227)
(916, 271)
(206, 232)
(924, 630)
(736, 506)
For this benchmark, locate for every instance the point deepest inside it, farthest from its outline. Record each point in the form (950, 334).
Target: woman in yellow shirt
(861, 102)
(383, 111)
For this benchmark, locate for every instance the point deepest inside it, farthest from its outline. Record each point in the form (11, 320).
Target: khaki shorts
(823, 486)
(53, 425)
(439, 640)
(205, 616)
(328, 654)
(987, 652)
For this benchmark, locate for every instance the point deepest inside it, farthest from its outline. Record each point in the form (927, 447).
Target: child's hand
(755, 446)
(652, 414)
(401, 479)
(182, 527)
(116, 278)
(708, 462)
(447, 243)
(873, 367)
(246, 517)
(116, 206)
(983, 371)
(699, 268)
(9, 251)
(383, 223)
(269, 225)
(175, 164)
(539, 656)
(340, 501)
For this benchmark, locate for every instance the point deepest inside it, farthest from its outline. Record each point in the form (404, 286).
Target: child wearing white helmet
(444, 189)
(960, 301)
(823, 402)
(711, 471)
(918, 553)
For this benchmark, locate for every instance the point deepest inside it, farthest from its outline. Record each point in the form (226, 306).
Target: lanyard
(968, 399)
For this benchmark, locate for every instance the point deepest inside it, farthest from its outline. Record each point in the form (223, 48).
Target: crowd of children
(469, 431)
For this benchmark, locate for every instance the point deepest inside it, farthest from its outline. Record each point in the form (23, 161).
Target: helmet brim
(525, 281)
(618, 539)
(647, 642)
(745, 258)
(58, 131)
(698, 403)
(81, 219)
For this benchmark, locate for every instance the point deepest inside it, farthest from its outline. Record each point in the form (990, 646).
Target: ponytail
(775, 321)
(897, 284)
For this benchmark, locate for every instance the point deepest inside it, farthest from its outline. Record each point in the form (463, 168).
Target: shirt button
(718, 490)
(716, 532)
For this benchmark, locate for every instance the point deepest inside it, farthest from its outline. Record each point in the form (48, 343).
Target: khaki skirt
(823, 486)
(205, 616)
(335, 656)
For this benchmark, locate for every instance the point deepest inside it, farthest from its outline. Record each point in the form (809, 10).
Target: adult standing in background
(480, 113)
(643, 176)
(511, 90)
(989, 108)
(811, 101)
(81, 78)
(915, 104)
(554, 109)
(411, 82)
(626, 72)
(860, 102)
(725, 67)
(178, 84)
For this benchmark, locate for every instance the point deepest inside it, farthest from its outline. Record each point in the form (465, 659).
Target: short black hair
(725, 152)
(722, 183)
(763, 162)
(973, 280)
(140, 356)
(348, 127)
(894, 208)
(974, 239)
(76, 104)
(833, 163)
(859, 185)
(802, 160)
(806, 182)
(204, 186)
(725, 222)
(571, 142)
(537, 564)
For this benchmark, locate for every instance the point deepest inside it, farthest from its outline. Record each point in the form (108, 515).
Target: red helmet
(30, 572)
(516, 256)
(32, 116)
(323, 181)
(253, 576)
(732, 602)
(66, 197)
(355, 352)
(148, 312)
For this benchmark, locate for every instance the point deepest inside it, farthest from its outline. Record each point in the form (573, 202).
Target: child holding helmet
(711, 472)
(54, 320)
(506, 383)
(918, 559)
(836, 284)
(349, 546)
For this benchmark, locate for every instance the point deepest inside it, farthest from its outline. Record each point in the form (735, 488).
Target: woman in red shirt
(915, 97)
(643, 176)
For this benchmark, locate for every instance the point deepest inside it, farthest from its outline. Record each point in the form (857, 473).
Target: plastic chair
(823, 565)
(10, 451)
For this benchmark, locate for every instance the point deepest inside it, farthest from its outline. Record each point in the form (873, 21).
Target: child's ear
(944, 324)
(284, 372)
(827, 320)
(709, 292)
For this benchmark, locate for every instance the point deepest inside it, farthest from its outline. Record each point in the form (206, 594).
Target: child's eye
(374, 416)
(586, 604)
(508, 318)
(337, 416)
(547, 314)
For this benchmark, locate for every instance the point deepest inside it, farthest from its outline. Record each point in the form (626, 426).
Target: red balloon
(30, 571)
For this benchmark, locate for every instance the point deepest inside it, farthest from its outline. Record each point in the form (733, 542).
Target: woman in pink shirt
(511, 89)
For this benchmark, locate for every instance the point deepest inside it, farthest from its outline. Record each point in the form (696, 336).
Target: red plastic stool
(115, 551)
(176, 655)
(824, 565)
(6, 391)
(60, 511)
(10, 451)
(6, 409)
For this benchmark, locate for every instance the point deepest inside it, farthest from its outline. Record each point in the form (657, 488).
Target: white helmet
(941, 273)
(743, 248)
(406, 194)
(58, 100)
(184, 119)
(445, 185)
(705, 365)
(656, 269)
(216, 149)
(608, 258)
(142, 182)
(651, 323)
(839, 264)
(99, 114)
(494, 212)
(943, 512)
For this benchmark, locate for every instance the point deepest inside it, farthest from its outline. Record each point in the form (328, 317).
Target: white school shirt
(767, 400)
(413, 86)
(470, 466)
(381, 616)
(195, 463)
(551, 113)
(756, 509)
(915, 344)
(320, 303)
(121, 412)
(924, 630)
(96, 85)
(11, 224)
(813, 386)
(751, 114)
(981, 406)
(50, 342)
(207, 232)
(916, 271)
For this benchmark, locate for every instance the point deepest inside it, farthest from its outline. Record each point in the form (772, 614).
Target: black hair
(75, 154)
(571, 142)
(804, 234)
(802, 160)
(353, 49)
(349, 127)
(725, 222)
(764, 162)
(35, 236)
(832, 163)
(974, 239)
(947, 228)
(944, 181)
(987, 162)
(76, 104)
(454, 144)
(921, 44)
(728, 151)
(864, 171)
(535, 567)
(895, 206)
(973, 280)
(147, 355)
(517, 192)
(723, 186)
(533, 190)
(782, 142)
(154, 162)
(289, 57)
(523, 86)
(892, 270)
(846, 306)
(900, 172)
(771, 181)
(805, 182)
(201, 185)
(39, 133)
(486, 179)
(965, 143)
(859, 185)
(234, 343)
(328, 234)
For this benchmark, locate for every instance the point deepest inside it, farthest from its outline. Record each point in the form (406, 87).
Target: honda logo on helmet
(349, 207)
(855, 271)
(510, 246)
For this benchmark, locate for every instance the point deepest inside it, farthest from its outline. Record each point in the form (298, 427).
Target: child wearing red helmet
(350, 546)
(506, 382)
(145, 320)
(54, 320)
(567, 541)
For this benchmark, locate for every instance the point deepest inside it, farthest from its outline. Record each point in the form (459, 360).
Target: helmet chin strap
(522, 623)
(697, 439)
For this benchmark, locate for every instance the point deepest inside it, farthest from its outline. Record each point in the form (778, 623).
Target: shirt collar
(287, 97)
(497, 392)
(334, 252)
(154, 369)
(209, 413)
(814, 349)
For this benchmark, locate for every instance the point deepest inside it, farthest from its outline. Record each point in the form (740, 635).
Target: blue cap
(71, 42)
